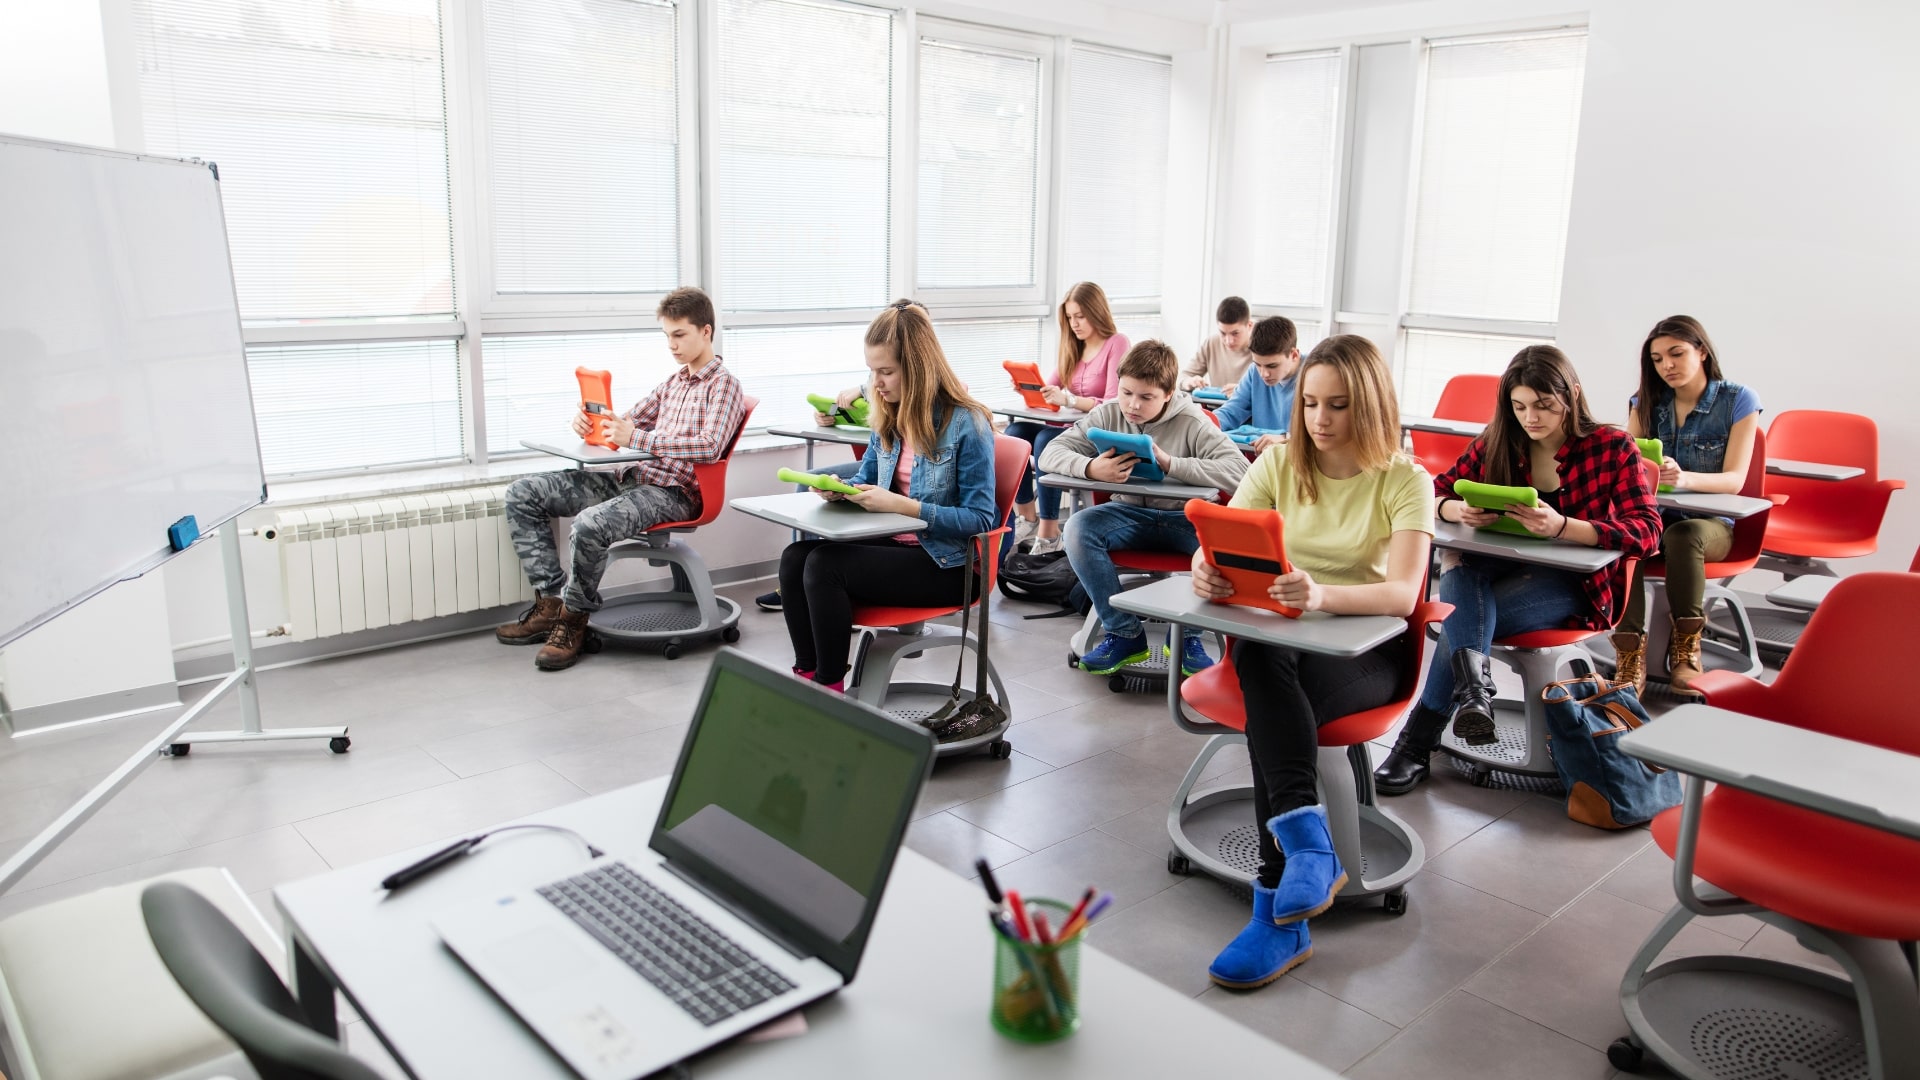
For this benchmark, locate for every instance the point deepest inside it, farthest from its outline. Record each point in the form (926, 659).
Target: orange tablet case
(596, 400)
(1246, 546)
(1027, 380)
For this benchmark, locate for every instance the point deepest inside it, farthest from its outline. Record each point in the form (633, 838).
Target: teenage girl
(1359, 525)
(930, 457)
(1088, 373)
(1705, 425)
(1593, 491)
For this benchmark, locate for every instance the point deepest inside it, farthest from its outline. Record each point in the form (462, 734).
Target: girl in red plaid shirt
(1593, 491)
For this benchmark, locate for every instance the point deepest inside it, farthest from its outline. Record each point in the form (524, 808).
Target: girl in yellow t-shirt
(1359, 524)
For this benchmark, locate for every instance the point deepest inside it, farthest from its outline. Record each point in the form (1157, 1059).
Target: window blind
(976, 348)
(1115, 190)
(582, 146)
(800, 196)
(1292, 143)
(1138, 328)
(328, 123)
(1434, 356)
(362, 405)
(979, 166)
(781, 365)
(530, 388)
(1496, 175)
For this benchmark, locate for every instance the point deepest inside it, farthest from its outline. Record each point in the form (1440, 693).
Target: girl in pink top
(1089, 373)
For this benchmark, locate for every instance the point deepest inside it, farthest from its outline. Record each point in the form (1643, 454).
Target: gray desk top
(1804, 593)
(1700, 502)
(1813, 470)
(917, 1008)
(810, 513)
(1555, 553)
(849, 436)
(1138, 487)
(1021, 412)
(584, 453)
(1173, 600)
(1440, 425)
(1851, 780)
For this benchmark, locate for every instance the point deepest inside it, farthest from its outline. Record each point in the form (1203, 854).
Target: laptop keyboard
(698, 967)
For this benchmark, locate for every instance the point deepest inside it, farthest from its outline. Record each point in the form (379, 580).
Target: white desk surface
(1021, 412)
(585, 453)
(1544, 552)
(1701, 502)
(846, 436)
(1804, 593)
(1851, 780)
(1173, 600)
(917, 1007)
(1440, 425)
(809, 513)
(1813, 470)
(1142, 488)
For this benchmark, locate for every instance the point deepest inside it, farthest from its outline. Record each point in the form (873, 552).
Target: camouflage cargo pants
(605, 510)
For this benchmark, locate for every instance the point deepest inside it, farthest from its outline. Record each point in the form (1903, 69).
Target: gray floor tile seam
(1705, 922)
(1460, 989)
(454, 779)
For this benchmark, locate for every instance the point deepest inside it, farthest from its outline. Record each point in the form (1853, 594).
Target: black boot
(1406, 766)
(1472, 697)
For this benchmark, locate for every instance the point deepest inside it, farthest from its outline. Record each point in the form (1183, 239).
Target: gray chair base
(687, 613)
(1741, 656)
(871, 681)
(1520, 743)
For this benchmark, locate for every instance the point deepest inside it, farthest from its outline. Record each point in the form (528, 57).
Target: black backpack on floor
(1044, 579)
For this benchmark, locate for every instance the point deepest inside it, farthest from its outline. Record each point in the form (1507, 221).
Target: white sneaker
(1023, 528)
(1045, 545)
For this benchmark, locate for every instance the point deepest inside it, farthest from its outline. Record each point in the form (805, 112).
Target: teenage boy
(770, 601)
(1187, 447)
(1264, 397)
(687, 419)
(1224, 357)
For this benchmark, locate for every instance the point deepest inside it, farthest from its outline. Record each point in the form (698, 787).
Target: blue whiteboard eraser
(181, 534)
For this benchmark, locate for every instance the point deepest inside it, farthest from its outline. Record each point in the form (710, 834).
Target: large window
(1113, 198)
(531, 390)
(355, 405)
(1291, 177)
(979, 165)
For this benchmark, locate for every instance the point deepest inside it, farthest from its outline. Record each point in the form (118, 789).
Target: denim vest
(954, 484)
(1700, 446)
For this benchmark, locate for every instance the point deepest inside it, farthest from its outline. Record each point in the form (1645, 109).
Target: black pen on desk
(993, 887)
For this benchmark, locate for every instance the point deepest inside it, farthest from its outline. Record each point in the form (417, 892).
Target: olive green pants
(1686, 546)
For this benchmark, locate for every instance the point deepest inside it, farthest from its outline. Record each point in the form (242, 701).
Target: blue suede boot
(1313, 875)
(1262, 952)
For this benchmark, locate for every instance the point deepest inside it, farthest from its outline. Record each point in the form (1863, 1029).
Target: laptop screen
(795, 794)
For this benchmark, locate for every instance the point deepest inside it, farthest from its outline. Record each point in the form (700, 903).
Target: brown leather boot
(1683, 657)
(533, 624)
(564, 643)
(1631, 649)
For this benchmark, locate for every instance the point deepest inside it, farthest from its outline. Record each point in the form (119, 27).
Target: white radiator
(364, 565)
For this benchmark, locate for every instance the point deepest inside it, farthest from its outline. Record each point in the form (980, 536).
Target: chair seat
(1151, 562)
(1818, 539)
(1215, 695)
(1805, 865)
(1715, 571)
(900, 616)
(1548, 639)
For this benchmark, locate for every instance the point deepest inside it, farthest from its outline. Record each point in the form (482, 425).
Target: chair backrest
(222, 973)
(1847, 673)
(1838, 510)
(1750, 534)
(1832, 438)
(1465, 397)
(711, 476)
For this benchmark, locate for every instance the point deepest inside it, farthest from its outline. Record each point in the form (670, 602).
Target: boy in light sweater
(1264, 398)
(1187, 447)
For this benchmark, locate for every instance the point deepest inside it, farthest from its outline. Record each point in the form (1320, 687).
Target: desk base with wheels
(871, 682)
(687, 613)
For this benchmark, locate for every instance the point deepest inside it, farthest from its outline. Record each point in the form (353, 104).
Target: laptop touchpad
(539, 958)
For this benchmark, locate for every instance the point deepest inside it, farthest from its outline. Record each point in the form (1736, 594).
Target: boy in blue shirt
(1264, 397)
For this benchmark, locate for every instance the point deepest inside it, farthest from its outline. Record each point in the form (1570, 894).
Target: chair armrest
(1730, 690)
(1893, 485)
(1428, 612)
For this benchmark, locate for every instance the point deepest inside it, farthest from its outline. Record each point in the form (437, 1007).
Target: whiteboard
(124, 402)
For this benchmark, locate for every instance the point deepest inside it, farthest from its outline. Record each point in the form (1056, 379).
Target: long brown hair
(927, 382)
(1370, 398)
(1546, 371)
(1687, 329)
(1093, 304)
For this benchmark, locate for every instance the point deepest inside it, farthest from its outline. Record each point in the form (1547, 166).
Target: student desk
(1558, 554)
(1441, 426)
(918, 1006)
(583, 453)
(846, 436)
(1813, 470)
(1144, 488)
(1702, 502)
(1173, 600)
(1062, 417)
(810, 514)
(1803, 593)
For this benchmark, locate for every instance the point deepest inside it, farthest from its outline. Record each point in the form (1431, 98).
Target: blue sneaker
(1193, 656)
(1114, 653)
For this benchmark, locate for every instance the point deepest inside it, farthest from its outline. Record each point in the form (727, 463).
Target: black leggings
(1289, 694)
(822, 580)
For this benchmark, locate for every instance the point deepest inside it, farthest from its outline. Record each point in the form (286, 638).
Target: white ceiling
(1201, 11)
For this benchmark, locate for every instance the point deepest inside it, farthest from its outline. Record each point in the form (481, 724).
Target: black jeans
(821, 581)
(1289, 694)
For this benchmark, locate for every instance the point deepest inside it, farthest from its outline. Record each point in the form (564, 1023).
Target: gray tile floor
(1506, 965)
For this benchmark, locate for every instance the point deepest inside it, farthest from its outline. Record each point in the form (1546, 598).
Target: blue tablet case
(1140, 446)
(1247, 434)
(1210, 393)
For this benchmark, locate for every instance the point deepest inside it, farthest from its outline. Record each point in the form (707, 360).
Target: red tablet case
(1027, 380)
(1247, 547)
(596, 400)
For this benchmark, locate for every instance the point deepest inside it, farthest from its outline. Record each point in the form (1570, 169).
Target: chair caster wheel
(1073, 660)
(1117, 684)
(1395, 902)
(730, 635)
(1178, 864)
(671, 651)
(179, 749)
(1000, 749)
(1626, 1055)
(339, 743)
(1482, 776)
(593, 644)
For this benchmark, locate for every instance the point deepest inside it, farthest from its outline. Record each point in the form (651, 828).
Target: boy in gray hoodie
(1187, 447)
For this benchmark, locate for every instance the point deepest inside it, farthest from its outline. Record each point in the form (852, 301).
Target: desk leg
(314, 993)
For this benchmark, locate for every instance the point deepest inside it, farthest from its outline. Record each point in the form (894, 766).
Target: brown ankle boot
(1683, 657)
(1631, 649)
(564, 643)
(533, 624)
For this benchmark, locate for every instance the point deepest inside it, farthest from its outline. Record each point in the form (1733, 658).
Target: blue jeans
(1494, 598)
(1039, 435)
(1093, 534)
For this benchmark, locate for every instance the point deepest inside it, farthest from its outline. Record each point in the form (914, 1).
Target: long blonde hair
(1093, 304)
(1374, 408)
(927, 382)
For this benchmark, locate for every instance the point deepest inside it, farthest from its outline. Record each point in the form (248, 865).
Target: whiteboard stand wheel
(339, 743)
(178, 749)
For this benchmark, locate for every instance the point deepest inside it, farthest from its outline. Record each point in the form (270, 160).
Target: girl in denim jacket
(930, 457)
(1705, 425)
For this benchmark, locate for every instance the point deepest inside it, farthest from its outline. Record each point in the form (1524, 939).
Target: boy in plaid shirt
(690, 418)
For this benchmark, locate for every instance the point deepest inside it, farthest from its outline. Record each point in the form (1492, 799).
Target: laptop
(755, 893)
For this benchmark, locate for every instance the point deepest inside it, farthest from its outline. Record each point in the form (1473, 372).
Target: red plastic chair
(1380, 851)
(903, 631)
(1842, 888)
(690, 610)
(1825, 519)
(1748, 534)
(1465, 397)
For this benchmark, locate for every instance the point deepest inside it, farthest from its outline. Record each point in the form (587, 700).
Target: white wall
(53, 71)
